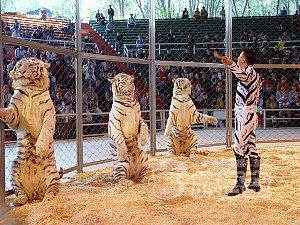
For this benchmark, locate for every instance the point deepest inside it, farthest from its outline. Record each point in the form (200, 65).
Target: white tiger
(32, 115)
(182, 114)
(125, 127)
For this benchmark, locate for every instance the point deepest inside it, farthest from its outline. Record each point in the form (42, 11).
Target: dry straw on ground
(177, 191)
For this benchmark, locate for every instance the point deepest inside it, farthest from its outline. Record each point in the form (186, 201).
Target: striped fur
(32, 115)
(182, 114)
(126, 130)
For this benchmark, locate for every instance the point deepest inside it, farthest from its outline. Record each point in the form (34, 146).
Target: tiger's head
(182, 86)
(123, 86)
(30, 72)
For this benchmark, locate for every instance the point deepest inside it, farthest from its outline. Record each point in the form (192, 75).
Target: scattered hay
(178, 190)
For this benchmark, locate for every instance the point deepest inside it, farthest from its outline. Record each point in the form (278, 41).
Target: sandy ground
(177, 190)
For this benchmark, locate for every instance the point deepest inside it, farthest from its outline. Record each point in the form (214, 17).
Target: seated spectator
(139, 42)
(61, 105)
(283, 83)
(109, 28)
(197, 14)
(169, 56)
(88, 38)
(284, 103)
(6, 29)
(293, 95)
(20, 52)
(296, 112)
(271, 103)
(190, 42)
(94, 109)
(171, 38)
(188, 56)
(86, 118)
(131, 22)
(69, 110)
(118, 42)
(7, 95)
(140, 54)
(159, 38)
(267, 92)
(185, 14)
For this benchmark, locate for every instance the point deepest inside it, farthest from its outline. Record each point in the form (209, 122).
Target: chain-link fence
(182, 47)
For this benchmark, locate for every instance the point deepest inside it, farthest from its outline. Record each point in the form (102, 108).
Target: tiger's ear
(111, 79)
(173, 80)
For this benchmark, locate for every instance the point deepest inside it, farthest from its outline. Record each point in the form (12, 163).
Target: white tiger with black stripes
(182, 114)
(32, 115)
(126, 130)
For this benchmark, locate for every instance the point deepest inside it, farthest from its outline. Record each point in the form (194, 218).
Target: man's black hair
(250, 56)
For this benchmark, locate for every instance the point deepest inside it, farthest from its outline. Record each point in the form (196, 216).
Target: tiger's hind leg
(142, 166)
(171, 145)
(121, 173)
(194, 146)
(52, 180)
(21, 196)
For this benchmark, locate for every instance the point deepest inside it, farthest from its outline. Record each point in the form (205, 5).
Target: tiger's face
(30, 71)
(123, 85)
(182, 86)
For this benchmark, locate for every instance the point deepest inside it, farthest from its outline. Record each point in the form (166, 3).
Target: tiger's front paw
(48, 196)
(143, 138)
(213, 120)
(21, 200)
(42, 149)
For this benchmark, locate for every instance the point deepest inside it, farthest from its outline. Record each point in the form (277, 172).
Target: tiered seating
(213, 26)
(31, 23)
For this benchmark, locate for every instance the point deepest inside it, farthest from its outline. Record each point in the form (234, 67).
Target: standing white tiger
(32, 115)
(125, 127)
(182, 114)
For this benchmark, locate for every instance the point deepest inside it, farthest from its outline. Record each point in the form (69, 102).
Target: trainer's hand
(224, 59)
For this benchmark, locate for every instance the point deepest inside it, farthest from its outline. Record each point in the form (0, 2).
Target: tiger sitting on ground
(126, 128)
(182, 114)
(32, 115)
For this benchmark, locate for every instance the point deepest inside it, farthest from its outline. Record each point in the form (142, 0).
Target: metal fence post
(2, 145)
(228, 41)
(152, 74)
(79, 128)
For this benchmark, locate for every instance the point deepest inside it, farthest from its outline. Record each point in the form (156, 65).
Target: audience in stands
(185, 14)
(131, 22)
